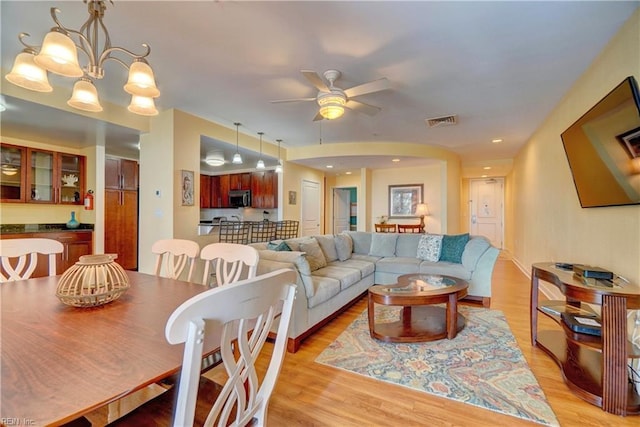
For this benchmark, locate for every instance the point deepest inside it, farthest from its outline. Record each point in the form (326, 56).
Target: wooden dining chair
(173, 255)
(385, 228)
(231, 262)
(409, 228)
(20, 257)
(239, 317)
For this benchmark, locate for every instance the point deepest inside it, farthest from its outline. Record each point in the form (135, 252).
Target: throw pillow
(453, 246)
(429, 247)
(344, 246)
(328, 246)
(278, 246)
(383, 244)
(314, 254)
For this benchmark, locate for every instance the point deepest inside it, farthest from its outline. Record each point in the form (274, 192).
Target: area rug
(481, 366)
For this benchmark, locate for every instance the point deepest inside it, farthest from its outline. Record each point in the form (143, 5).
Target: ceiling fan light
(331, 111)
(143, 105)
(29, 75)
(141, 80)
(85, 96)
(59, 55)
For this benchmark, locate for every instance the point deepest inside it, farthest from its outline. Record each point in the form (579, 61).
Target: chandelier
(59, 55)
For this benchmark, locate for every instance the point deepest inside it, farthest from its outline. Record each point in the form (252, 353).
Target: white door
(310, 209)
(341, 209)
(486, 209)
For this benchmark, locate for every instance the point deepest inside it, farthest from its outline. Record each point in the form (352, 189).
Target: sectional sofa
(334, 271)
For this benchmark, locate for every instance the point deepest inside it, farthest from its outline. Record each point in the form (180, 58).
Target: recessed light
(329, 166)
(395, 160)
(486, 168)
(484, 176)
(348, 173)
(496, 140)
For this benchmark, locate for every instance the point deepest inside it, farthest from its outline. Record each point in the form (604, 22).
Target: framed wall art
(403, 200)
(187, 187)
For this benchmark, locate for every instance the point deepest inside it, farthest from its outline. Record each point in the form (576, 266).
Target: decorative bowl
(94, 280)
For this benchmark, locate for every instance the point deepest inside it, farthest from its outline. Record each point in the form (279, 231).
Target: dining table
(60, 362)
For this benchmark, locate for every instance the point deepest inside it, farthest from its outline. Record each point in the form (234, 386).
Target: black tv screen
(603, 149)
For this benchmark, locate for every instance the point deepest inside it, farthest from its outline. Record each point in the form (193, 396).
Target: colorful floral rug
(482, 366)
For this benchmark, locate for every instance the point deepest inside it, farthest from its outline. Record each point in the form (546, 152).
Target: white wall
(545, 220)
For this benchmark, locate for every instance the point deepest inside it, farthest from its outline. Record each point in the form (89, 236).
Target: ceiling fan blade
(291, 100)
(361, 107)
(316, 80)
(373, 86)
(318, 117)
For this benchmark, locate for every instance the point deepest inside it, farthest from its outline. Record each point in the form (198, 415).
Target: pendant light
(237, 158)
(279, 166)
(260, 164)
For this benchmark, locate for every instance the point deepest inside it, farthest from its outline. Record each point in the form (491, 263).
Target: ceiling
(500, 67)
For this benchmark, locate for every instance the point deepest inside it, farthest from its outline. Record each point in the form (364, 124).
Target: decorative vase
(92, 281)
(73, 223)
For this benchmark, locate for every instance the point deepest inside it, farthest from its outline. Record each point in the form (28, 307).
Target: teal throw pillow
(278, 246)
(453, 246)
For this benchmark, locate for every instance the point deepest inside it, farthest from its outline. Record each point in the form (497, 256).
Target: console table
(594, 367)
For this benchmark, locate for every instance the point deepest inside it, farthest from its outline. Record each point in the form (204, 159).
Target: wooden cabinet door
(112, 173)
(112, 218)
(245, 181)
(205, 191)
(235, 181)
(216, 195)
(41, 176)
(128, 255)
(71, 172)
(257, 193)
(120, 174)
(225, 187)
(14, 172)
(270, 190)
(129, 172)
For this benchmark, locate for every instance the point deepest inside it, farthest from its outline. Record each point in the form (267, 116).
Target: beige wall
(544, 219)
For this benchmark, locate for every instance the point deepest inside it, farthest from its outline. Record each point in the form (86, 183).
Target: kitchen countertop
(41, 228)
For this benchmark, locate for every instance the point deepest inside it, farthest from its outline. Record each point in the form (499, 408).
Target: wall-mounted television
(603, 149)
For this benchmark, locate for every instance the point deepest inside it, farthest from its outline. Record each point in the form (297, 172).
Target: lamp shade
(142, 105)
(59, 55)
(141, 80)
(279, 167)
(29, 75)
(85, 97)
(260, 164)
(237, 159)
(421, 210)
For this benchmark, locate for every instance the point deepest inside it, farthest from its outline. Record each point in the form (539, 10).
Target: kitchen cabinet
(205, 191)
(121, 211)
(264, 190)
(216, 192)
(225, 187)
(240, 181)
(75, 244)
(31, 175)
(13, 176)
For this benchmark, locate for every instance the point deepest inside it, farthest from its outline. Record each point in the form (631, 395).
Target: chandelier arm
(106, 54)
(84, 45)
(29, 48)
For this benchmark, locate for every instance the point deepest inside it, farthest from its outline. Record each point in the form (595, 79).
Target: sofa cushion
(429, 247)
(346, 276)
(314, 254)
(399, 265)
(344, 246)
(296, 258)
(278, 246)
(361, 241)
(383, 244)
(453, 246)
(473, 250)
(325, 288)
(407, 244)
(365, 267)
(367, 258)
(328, 245)
(446, 268)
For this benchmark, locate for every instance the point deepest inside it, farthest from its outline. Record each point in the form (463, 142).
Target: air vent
(442, 121)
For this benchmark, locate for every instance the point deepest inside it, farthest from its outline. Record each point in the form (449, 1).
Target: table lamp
(422, 211)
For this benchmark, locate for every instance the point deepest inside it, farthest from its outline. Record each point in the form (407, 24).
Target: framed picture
(403, 200)
(631, 142)
(187, 188)
(292, 197)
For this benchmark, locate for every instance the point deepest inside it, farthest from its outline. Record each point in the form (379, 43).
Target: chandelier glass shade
(237, 158)
(332, 105)
(59, 55)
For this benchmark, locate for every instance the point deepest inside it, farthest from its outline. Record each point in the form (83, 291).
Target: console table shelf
(594, 367)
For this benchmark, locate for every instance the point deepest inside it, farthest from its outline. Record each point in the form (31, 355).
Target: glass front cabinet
(42, 176)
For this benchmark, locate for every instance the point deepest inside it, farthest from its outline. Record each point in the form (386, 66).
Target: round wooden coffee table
(419, 320)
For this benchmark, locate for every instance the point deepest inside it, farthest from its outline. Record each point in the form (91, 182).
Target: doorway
(345, 209)
(486, 209)
(310, 208)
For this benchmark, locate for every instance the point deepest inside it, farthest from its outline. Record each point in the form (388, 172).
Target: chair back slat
(20, 257)
(409, 228)
(173, 255)
(229, 260)
(386, 228)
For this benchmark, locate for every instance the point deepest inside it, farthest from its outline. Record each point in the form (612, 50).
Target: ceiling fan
(333, 100)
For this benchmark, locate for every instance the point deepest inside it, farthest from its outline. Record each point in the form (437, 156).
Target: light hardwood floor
(311, 394)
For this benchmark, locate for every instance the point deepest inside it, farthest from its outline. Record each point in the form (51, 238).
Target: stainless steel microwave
(240, 198)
